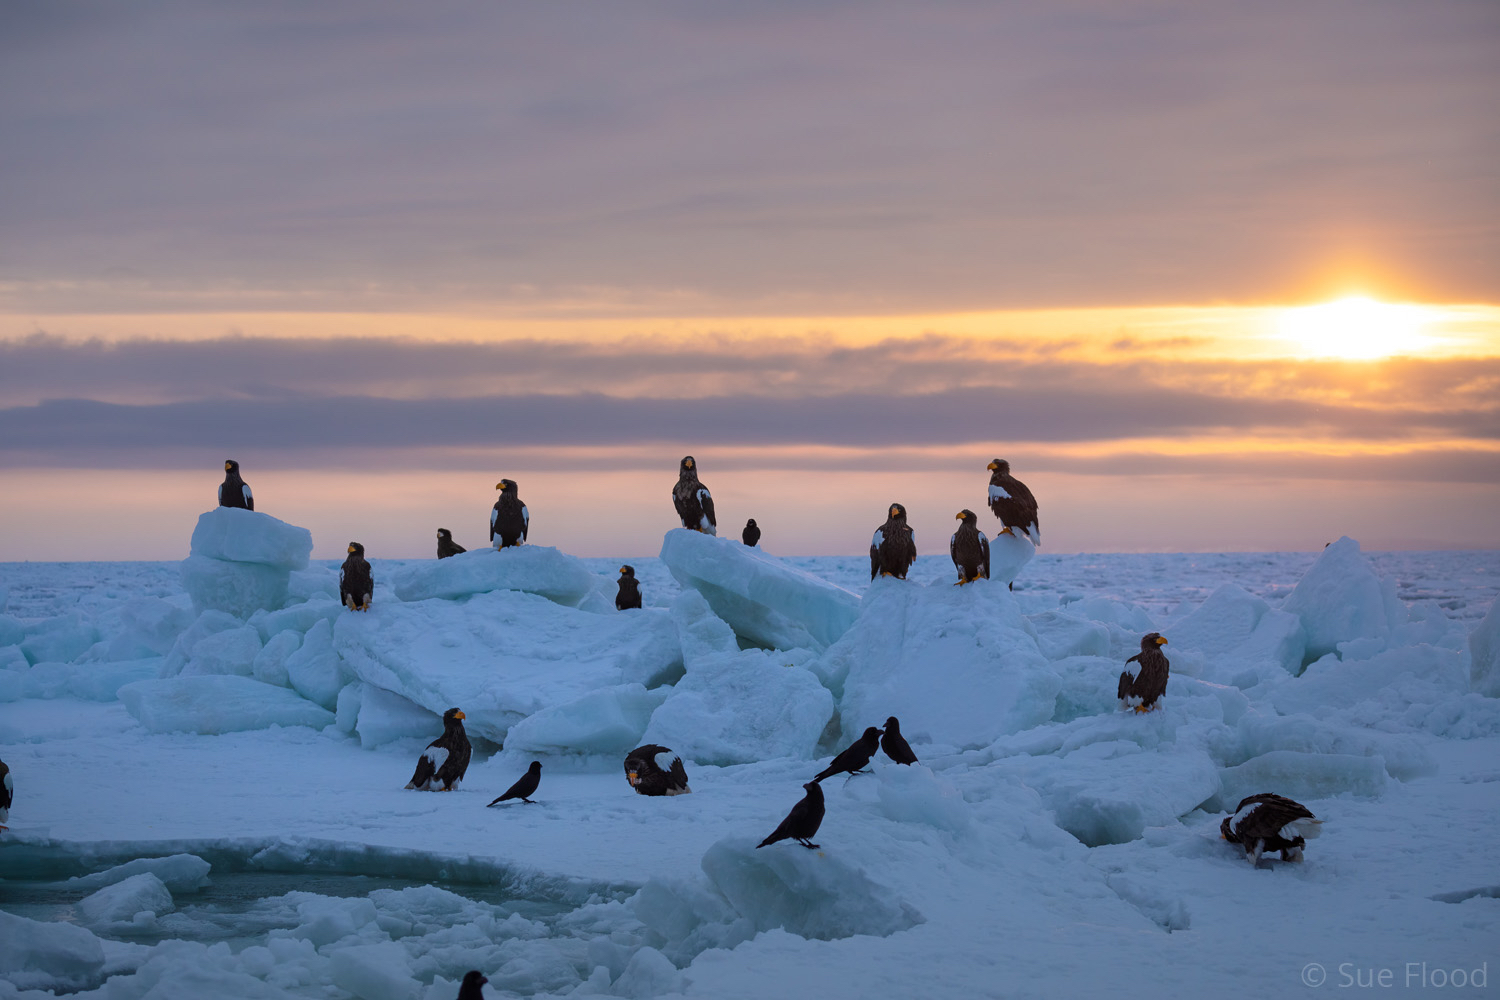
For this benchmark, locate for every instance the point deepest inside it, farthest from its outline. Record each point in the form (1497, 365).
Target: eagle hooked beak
(631, 777)
(351, 550)
(992, 466)
(622, 569)
(1161, 640)
(459, 715)
(958, 517)
(500, 485)
(227, 466)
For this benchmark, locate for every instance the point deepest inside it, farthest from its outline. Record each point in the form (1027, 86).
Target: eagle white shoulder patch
(878, 539)
(998, 493)
(438, 756)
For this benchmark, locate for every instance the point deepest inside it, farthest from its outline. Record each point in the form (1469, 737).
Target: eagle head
(999, 465)
(356, 549)
(230, 465)
(627, 571)
(897, 511)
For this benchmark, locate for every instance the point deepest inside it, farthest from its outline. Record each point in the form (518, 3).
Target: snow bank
(534, 569)
(958, 665)
(48, 956)
(503, 656)
(135, 902)
(737, 706)
(765, 600)
(217, 704)
(1341, 599)
(1484, 654)
(178, 872)
(241, 561)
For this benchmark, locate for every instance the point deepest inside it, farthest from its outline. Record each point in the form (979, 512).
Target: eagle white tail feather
(1306, 828)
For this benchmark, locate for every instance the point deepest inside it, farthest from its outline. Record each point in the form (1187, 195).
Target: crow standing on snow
(803, 821)
(854, 757)
(895, 745)
(525, 787)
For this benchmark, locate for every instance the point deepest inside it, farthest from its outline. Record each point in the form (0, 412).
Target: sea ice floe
(1234, 629)
(223, 703)
(136, 900)
(764, 599)
(1302, 776)
(180, 873)
(958, 665)
(48, 956)
(315, 669)
(1484, 653)
(533, 569)
(379, 717)
(504, 655)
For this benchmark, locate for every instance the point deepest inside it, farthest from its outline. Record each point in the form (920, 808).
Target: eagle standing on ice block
(446, 545)
(695, 505)
(893, 547)
(509, 520)
(1013, 503)
(234, 491)
(629, 595)
(356, 582)
(970, 549)
(7, 794)
(442, 765)
(1270, 822)
(1141, 686)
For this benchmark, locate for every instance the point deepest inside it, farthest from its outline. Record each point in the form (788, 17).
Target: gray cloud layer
(829, 156)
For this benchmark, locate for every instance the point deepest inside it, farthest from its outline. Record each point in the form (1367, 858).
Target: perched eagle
(509, 520)
(1142, 685)
(854, 757)
(751, 535)
(656, 770)
(1269, 822)
(446, 545)
(525, 786)
(7, 794)
(442, 765)
(234, 491)
(693, 502)
(629, 595)
(1012, 502)
(893, 548)
(803, 821)
(895, 745)
(970, 549)
(356, 582)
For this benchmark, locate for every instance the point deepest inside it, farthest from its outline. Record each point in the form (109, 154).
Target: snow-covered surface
(1047, 844)
(535, 569)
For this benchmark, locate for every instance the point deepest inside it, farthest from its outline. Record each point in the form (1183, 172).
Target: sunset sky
(1211, 276)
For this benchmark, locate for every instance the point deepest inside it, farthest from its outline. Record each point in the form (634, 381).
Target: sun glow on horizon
(1356, 328)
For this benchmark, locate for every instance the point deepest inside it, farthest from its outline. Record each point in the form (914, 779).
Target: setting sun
(1357, 328)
